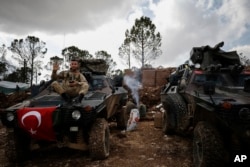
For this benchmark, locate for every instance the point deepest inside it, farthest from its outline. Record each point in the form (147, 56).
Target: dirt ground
(146, 146)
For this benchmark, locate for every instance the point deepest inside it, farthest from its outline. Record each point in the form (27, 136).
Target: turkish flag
(37, 122)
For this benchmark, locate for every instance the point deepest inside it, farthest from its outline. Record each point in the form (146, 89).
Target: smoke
(134, 85)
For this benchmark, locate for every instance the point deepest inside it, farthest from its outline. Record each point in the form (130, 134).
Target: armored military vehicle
(46, 120)
(209, 97)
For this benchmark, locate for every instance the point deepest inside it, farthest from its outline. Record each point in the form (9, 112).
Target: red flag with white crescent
(37, 122)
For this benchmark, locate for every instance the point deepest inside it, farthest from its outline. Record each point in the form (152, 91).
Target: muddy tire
(175, 119)
(17, 145)
(99, 145)
(169, 122)
(3, 159)
(208, 148)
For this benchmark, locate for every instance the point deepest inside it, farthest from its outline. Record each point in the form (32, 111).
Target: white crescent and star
(32, 113)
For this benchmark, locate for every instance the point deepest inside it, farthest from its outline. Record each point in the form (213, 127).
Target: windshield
(97, 83)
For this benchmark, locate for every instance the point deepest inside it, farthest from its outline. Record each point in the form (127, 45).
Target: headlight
(10, 116)
(244, 113)
(76, 114)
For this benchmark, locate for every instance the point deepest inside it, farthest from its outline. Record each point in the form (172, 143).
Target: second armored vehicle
(210, 98)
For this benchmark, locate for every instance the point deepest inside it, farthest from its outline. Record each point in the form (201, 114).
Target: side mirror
(209, 87)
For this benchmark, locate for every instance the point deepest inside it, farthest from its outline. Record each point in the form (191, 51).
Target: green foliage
(2, 57)
(107, 57)
(56, 59)
(3, 64)
(145, 41)
(20, 75)
(74, 51)
(26, 51)
(2, 67)
(125, 49)
(2, 51)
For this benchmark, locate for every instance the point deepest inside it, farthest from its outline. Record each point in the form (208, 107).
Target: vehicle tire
(175, 119)
(169, 122)
(208, 148)
(99, 145)
(121, 119)
(17, 145)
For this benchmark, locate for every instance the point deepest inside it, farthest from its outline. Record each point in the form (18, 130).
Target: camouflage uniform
(67, 76)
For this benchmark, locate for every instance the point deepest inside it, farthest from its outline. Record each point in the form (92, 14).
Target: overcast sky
(101, 24)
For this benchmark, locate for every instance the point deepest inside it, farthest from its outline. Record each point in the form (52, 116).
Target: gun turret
(207, 56)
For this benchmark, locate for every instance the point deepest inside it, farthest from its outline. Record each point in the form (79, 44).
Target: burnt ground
(146, 146)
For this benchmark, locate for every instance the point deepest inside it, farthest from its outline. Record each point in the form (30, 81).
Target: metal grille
(85, 120)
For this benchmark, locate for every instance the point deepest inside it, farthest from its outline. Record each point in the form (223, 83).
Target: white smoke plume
(134, 85)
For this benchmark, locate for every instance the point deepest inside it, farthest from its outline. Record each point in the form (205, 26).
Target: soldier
(73, 82)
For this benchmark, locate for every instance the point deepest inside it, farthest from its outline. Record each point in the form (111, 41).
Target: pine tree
(144, 42)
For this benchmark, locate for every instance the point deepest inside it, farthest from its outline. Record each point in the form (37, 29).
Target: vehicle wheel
(17, 145)
(99, 139)
(169, 122)
(121, 119)
(208, 148)
(175, 117)
(3, 159)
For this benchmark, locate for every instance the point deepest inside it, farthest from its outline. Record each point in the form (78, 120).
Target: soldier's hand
(56, 67)
(72, 83)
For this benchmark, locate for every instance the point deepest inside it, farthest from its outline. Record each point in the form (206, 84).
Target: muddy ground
(146, 146)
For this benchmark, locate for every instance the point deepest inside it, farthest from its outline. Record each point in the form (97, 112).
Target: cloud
(184, 24)
(100, 25)
(59, 16)
(243, 50)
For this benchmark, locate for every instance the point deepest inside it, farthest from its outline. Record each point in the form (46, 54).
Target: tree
(18, 75)
(27, 51)
(107, 57)
(54, 59)
(244, 60)
(71, 51)
(74, 51)
(125, 49)
(13, 77)
(3, 51)
(3, 65)
(146, 43)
